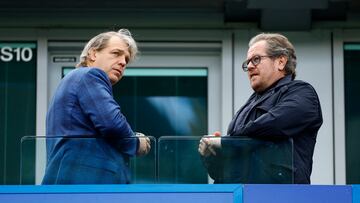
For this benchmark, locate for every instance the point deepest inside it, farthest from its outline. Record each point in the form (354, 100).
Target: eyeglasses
(255, 60)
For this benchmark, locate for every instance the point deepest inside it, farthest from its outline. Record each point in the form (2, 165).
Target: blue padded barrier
(179, 193)
(297, 194)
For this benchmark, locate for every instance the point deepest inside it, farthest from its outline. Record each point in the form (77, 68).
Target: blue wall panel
(297, 194)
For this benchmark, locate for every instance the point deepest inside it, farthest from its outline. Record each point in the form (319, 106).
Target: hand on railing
(209, 143)
(144, 144)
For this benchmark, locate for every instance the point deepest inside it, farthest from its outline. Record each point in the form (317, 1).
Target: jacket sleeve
(297, 110)
(97, 102)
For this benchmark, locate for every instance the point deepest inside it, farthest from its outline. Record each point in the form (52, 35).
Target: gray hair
(278, 45)
(100, 42)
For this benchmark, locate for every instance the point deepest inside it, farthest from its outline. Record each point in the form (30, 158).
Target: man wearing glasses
(279, 108)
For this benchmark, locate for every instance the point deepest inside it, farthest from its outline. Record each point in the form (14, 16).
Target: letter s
(6, 54)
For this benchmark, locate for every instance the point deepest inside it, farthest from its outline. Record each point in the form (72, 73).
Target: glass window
(17, 105)
(162, 102)
(65, 70)
(166, 102)
(352, 111)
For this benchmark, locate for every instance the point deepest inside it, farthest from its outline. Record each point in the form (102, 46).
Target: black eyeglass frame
(255, 60)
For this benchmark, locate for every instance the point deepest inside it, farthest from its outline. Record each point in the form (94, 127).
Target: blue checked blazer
(88, 138)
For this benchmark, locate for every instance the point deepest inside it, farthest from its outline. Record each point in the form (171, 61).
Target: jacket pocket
(100, 163)
(86, 169)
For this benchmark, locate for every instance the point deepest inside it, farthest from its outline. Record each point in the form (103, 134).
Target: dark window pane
(18, 107)
(163, 102)
(352, 112)
(164, 105)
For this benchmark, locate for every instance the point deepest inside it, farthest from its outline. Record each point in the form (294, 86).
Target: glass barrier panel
(246, 160)
(179, 160)
(29, 156)
(143, 168)
(172, 159)
(86, 160)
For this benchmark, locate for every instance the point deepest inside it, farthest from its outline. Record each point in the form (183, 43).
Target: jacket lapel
(233, 121)
(281, 84)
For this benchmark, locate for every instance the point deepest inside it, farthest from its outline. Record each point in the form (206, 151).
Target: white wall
(314, 66)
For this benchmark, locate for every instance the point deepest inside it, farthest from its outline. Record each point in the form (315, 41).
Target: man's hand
(208, 144)
(144, 144)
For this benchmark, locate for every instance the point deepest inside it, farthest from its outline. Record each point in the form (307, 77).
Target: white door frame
(339, 38)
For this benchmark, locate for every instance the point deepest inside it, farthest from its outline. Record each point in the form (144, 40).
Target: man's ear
(92, 54)
(281, 62)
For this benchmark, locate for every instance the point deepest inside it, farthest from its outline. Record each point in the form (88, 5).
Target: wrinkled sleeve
(96, 100)
(297, 110)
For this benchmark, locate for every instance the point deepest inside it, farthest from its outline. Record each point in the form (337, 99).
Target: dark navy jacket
(96, 139)
(288, 109)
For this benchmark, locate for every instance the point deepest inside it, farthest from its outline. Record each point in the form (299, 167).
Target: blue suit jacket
(96, 139)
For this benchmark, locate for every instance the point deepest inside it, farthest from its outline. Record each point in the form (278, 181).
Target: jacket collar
(284, 81)
(277, 85)
(281, 82)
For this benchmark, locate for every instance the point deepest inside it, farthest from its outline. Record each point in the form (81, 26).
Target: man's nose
(250, 66)
(122, 61)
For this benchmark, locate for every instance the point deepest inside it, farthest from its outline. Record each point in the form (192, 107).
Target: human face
(267, 71)
(112, 59)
